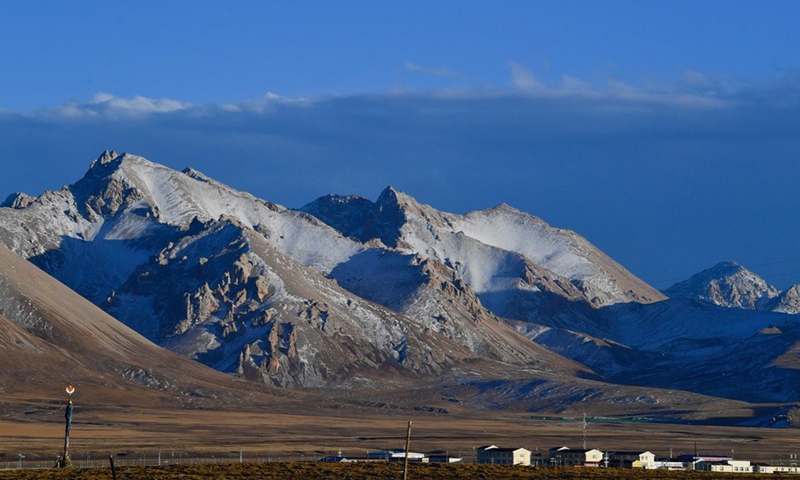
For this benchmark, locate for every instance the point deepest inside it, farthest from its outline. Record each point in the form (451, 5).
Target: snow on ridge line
(517, 231)
(181, 196)
(433, 233)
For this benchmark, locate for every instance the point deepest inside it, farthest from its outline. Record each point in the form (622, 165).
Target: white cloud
(138, 104)
(106, 104)
(693, 90)
(613, 92)
(522, 79)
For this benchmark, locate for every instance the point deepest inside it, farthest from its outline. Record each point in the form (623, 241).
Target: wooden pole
(65, 460)
(68, 421)
(408, 444)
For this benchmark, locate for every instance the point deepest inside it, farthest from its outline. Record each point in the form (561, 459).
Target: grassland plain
(139, 433)
(362, 471)
(102, 431)
(272, 437)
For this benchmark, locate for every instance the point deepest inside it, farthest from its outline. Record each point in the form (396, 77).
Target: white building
(727, 466)
(764, 468)
(397, 455)
(669, 465)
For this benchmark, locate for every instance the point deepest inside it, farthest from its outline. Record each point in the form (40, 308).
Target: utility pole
(65, 460)
(408, 444)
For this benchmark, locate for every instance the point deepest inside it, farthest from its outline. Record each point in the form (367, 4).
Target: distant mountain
(788, 301)
(689, 345)
(731, 285)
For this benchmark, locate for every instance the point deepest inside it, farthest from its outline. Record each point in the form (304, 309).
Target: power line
(780, 274)
(776, 262)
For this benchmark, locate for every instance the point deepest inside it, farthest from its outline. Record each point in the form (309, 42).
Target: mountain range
(347, 293)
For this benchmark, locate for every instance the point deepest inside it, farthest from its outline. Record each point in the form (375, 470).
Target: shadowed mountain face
(496, 250)
(349, 293)
(50, 337)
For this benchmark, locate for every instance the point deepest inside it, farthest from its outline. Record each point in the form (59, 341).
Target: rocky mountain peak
(725, 269)
(788, 301)
(358, 217)
(726, 284)
(504, 207)
(392, 196)
(393, 199)
(18, 200)
(191, 172)
(105, 158)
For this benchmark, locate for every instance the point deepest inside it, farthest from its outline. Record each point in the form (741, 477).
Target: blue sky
(665, 132)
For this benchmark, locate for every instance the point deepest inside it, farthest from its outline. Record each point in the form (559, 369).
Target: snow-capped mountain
(348, 292)
(729, 284)
(518, 265)
(573, 299)
(243, 285)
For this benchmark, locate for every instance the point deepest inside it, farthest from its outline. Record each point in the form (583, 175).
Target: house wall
(593, 456)
(648, 460)
(776, 469)
(517, 457)
(730, 466)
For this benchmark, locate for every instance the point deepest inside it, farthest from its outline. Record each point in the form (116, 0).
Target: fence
(153, 460)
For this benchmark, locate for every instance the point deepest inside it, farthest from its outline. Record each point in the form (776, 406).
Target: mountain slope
(689, 345)
(51, 337)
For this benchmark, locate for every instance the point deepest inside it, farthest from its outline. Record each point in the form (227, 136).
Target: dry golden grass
(312, 433)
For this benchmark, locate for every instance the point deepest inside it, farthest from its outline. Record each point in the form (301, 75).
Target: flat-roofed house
(568, 457)
(632, 459)
(503, 456)
(766, 468)
(727, 466)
